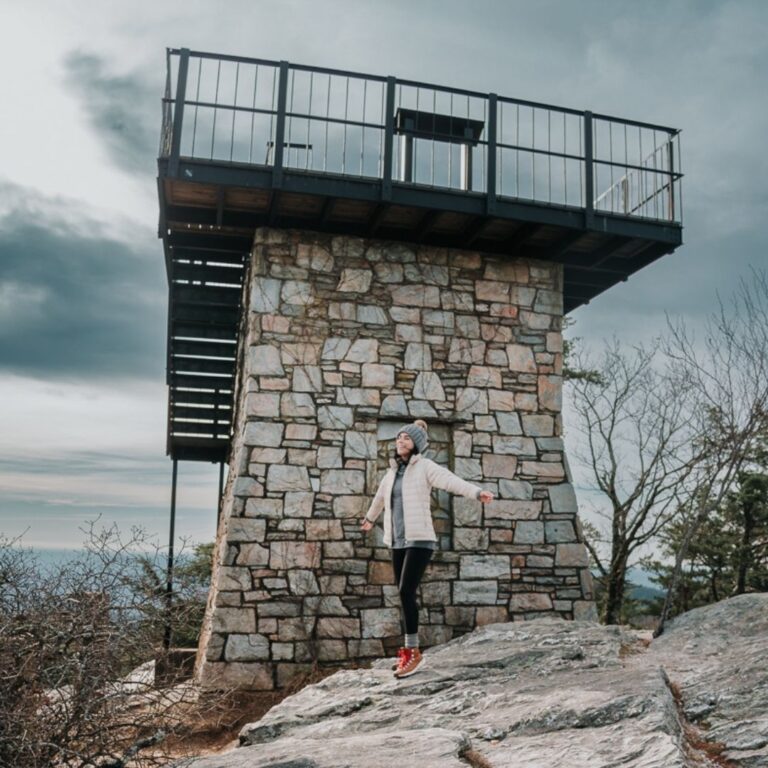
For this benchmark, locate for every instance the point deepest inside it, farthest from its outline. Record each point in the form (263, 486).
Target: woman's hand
(366, 525)
(485, 496)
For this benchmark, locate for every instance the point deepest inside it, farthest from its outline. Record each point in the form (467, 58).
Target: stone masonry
(343, 339)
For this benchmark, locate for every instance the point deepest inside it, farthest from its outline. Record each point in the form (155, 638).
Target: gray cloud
(77, 302)
(123, 110)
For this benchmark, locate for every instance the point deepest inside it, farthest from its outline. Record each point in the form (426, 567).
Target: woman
(404, 496)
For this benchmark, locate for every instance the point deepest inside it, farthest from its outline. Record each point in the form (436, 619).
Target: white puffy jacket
(420, 477)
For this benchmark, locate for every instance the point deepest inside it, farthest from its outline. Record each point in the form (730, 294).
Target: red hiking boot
(400, 654)
(410, 662)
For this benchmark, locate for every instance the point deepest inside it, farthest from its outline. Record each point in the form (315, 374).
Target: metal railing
(323, 121)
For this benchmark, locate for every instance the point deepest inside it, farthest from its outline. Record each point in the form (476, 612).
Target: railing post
(389, 138)
(282, 98)
(490, 200)
(589, 173)
(671, 178)
(169, 568)
(178, 112)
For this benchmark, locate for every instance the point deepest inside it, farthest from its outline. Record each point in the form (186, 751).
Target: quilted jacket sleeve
(377, 505)
(440, 477)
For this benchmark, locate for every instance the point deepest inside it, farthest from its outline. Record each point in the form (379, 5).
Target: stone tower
(347, 252)
(345, 340)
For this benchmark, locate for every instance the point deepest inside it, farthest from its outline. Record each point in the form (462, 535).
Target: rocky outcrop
(546, 693)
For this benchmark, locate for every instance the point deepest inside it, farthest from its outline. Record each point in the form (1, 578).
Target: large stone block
(324, 530)
(303, 582)
(285, 477)
(428, 387)
(499, 466)
(559, 531)
(472, 539)
(475, 592)
(234, 579)
(471, 400)
(550, 389)
(298, 404)
(252, 647)
(299, 504)
(260, 507)
(499, 400)
(253, 554)
(510, 509)
(525, 602)
(335, 348)
(484, 567)
(339, 627)
(359, 445)
(520, 357)
(334, 417)
(354, 281)
(227, 620)
(416, 296)
(562, 498)
(266, 433)
(515, 489)
(342, 481)
(294, 554)
(519, 446)
(418, 357)
(467, 512)
(264, 360)
(544, 470)
(244, 676)
(247, 528)
(380, 622)
(529, 532)
(363, 351)
(265, 295)
(378, 375)
(571, 555)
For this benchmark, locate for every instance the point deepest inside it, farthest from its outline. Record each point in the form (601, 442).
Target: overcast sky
(82, 283)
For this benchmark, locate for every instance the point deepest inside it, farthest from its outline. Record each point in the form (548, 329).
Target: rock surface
(546, 693)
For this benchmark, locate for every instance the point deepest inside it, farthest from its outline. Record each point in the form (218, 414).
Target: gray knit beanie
(418, 433)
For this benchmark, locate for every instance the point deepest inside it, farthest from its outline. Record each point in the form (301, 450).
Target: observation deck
(249, 142)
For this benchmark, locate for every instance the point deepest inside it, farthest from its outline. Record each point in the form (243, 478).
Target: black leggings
(409, 565)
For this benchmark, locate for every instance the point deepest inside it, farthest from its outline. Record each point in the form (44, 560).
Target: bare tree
(640, 445)
(727, 370)
(77, 647)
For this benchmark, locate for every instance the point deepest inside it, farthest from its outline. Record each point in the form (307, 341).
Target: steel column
(178, 112)
(389, 136)
(169, 574)
(589, 173)
(282, 98)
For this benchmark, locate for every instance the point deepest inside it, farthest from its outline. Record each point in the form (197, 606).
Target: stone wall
(344, 340)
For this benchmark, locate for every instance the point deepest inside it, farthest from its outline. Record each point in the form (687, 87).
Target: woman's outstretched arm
(376, 508)
(443, 478)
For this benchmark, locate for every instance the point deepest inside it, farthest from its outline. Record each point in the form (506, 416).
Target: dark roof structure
(249, 142)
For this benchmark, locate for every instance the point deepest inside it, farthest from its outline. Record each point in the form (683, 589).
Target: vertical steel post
(490, 200)
(282, 98)
(465, 167)
(671, 178)
(406, 158)
(169, 574)
(589, 173)
(178, 112)
(389, 137)
(221, 482)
